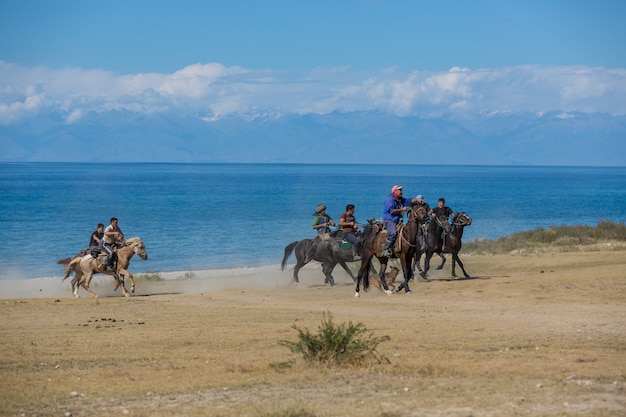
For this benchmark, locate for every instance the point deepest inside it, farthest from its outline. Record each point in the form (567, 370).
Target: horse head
(418, 213)
(138, 247)
(461, 219)
(372, 228)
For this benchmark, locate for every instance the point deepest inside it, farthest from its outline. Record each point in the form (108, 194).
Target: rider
(421, 203)
(96, 236)
(442, 212)
(111, 234)
(350, 228)
(395, 205)
(322, 223)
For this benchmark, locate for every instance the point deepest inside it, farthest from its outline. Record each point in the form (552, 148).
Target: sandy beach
(528, 334)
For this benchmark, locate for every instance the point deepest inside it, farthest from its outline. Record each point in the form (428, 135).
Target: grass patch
(344, 344)
(152, 277)
(563, 238)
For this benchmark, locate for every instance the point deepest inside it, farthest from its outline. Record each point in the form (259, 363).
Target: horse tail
(64, 261)
(70, 266)
(288, 250)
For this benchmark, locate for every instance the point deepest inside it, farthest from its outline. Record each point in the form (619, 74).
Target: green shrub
(345, 344)
(563, 237)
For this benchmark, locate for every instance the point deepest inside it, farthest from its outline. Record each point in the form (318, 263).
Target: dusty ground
(531, 335)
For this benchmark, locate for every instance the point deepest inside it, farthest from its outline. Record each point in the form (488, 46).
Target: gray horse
(329, 252)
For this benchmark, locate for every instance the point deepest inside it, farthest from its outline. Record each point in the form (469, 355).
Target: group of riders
(106, 240)
(394, 207)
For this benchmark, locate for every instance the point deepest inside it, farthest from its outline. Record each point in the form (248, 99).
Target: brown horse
(374, 237)
(85, 267)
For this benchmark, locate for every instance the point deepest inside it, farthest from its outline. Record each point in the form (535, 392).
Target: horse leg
(123, 272)
(299, 265)
(407, 271)
(443, 260)
(327, 269)
(366, 261)
(75, 287)
(85, 284)
(418, 256)
(455, 256)
(381, 274)
(119, 278)
(424, 273)
(76, 283)
(345, 268)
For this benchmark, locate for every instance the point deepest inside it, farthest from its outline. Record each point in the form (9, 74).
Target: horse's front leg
(456, 256)
(407, 272)
(124, 273)
(424, 273)
(120, 280)
(418, 256)
(381, 274)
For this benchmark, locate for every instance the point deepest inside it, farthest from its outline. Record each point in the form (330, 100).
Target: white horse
(85, 267)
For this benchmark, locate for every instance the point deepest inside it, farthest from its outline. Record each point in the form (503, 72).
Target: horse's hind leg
(443, 261)
(85, 284)
(327, 270)
(296, 269)
(345, 268)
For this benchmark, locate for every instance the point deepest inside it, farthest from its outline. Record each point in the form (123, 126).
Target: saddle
(397, 247)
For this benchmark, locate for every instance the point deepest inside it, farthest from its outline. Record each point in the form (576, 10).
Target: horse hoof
(439, 268)
(388, 292)
(409, 292)
(357, 295)
(127, 295)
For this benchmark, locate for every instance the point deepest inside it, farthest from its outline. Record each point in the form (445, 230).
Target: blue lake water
(210, 216)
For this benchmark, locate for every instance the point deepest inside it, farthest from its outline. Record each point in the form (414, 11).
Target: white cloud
(214, 89)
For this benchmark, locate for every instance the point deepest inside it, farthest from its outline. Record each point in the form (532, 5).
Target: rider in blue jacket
(395, 205)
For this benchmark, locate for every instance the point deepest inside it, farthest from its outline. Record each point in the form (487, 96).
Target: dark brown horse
(374, 237)
(328, 252)
(435, 241)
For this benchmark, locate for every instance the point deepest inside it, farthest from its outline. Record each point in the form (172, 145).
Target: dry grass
(532, 335)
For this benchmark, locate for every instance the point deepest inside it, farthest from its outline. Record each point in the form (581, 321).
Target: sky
(214, 58)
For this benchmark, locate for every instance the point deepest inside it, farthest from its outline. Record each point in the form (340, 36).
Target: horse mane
(132, 240)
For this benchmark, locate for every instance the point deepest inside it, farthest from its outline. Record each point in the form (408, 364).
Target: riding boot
(387, 248)
(355, 253)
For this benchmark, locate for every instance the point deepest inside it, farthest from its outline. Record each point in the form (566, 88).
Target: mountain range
(551, 138)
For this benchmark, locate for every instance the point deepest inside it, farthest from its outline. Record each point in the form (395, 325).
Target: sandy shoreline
(182, 282)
